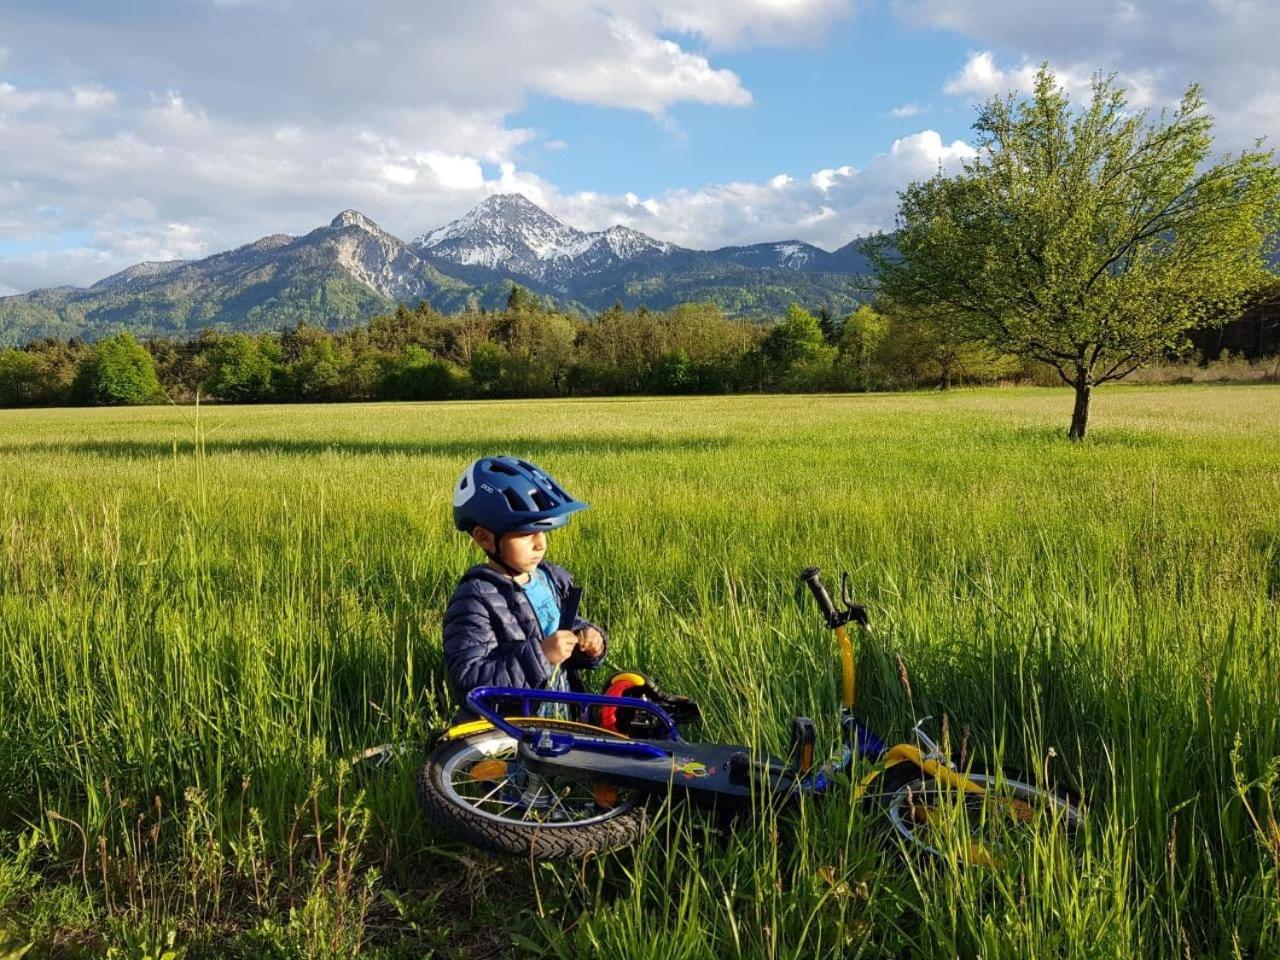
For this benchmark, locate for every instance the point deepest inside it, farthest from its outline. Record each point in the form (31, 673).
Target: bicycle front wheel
(982, 827)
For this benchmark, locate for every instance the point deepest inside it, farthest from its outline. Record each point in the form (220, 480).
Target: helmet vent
(496, 466)
(541, 500)
(515, 501)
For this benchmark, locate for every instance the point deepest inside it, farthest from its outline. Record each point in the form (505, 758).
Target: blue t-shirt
(545, 604)
(542, 596)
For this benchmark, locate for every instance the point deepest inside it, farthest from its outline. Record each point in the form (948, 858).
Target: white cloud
(907, 110)
(828, 208)
(245, 117)
(454, 172)
(651, 75)
(92, 97)
(824, 179)
(727, 23)
(981, 77)
(1155, 48)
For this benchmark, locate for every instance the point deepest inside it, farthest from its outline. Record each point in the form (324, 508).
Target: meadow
(205, 614)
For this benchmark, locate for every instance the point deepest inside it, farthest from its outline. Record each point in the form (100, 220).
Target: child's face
(520, 551)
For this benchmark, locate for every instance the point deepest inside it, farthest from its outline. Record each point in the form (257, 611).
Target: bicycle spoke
(505, 781)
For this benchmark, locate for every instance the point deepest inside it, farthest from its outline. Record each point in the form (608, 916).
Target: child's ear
(483, 538)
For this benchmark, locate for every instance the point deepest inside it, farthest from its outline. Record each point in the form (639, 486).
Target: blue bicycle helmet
(510, 495)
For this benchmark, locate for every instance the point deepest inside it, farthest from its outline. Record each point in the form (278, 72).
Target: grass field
(200, 620)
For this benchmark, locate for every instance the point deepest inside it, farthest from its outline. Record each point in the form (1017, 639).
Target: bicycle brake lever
(854, 611)
(927, 742)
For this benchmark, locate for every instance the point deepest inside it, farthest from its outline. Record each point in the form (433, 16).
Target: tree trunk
(1080, 415)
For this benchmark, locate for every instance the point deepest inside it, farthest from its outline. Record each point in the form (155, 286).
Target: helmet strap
(496, 556)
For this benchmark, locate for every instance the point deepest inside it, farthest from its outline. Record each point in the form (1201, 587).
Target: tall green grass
(202, 616)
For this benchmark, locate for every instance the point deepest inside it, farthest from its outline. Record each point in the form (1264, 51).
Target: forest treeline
(524, 350)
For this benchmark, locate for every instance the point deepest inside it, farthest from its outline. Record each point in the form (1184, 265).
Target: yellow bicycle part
(906, 753)
(460, 730)
(976, 854)
(634, 678)
(847, 668)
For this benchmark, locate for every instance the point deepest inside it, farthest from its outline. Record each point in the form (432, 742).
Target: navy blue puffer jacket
(492, 636)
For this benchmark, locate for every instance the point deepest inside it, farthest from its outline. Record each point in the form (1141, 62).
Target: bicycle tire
(540, 841)
(897, 783)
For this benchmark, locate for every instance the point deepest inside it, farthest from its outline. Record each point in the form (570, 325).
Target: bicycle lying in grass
(549, 788)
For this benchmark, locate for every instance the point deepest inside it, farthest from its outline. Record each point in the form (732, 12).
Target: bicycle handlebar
(812, 576)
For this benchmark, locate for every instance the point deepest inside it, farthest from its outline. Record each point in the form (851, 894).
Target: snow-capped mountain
(351, 269)
(789, 255)
(505, 229)
(512, 236)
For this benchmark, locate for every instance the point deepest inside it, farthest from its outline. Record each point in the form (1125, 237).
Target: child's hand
(559, 646)
(591, 643)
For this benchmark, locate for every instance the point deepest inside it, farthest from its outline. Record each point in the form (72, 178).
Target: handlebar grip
(812, 578)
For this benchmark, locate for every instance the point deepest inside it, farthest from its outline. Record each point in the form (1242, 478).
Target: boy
(503, 626)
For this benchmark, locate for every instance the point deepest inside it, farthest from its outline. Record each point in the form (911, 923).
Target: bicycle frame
(550, 743)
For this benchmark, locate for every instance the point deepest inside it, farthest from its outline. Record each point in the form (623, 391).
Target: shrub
(420, 376)
(117, 370)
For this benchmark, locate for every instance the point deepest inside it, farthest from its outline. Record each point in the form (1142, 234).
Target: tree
(240, 370)
(318, 372)
(789, 342)
(486, 367)
(860, 338)
(832, 326)
(117, 370)
(420, 376)
(1089, 240)
(520, 300)
(28, 378)
(913, 350)
(538, 350)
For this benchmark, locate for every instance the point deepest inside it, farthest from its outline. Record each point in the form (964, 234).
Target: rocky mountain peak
(505, 224)
(511, 203)
(511, 233)
(354, 218)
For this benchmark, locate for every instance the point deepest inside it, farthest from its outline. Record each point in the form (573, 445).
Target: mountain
(334, 276)
(351, 270)
(508, 237)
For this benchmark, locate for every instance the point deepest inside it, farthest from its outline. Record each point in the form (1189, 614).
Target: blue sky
(155, 129)
(821, 105)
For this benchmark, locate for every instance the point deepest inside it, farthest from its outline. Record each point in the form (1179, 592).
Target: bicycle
(553, 788)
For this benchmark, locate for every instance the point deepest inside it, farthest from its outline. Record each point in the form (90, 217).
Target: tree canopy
(1091, 240)
(118, 370)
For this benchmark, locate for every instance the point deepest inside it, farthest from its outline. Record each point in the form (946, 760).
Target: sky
(159, 129)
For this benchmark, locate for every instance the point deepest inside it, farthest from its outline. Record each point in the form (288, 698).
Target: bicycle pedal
(803, 737)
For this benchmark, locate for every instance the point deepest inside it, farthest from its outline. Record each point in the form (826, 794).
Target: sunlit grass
(202, 615)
